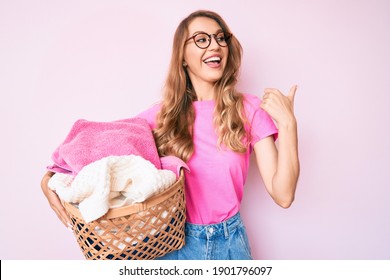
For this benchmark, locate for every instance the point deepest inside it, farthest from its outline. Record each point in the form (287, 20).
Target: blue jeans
(223, 241)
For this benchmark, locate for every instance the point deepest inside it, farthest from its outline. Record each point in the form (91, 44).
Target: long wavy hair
(175, 120)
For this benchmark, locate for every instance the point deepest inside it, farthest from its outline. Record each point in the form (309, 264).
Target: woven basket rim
(134, 208)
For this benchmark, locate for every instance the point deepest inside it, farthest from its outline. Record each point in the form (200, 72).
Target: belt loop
(225, 230)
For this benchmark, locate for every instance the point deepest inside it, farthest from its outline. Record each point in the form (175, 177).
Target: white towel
(111, 182)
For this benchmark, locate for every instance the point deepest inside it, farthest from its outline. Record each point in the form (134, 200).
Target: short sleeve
(261, 124)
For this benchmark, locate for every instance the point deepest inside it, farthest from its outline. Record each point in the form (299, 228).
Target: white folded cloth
(111, 182)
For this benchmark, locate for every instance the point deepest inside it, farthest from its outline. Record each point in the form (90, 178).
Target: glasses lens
(202, 40)
(222, 39)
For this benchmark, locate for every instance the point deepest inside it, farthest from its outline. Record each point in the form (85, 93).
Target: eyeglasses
(203, 40)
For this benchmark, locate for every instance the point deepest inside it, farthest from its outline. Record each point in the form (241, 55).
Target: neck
(204, 91)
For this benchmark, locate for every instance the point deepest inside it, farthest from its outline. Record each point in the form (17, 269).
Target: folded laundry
(111, 182)
(89, 141)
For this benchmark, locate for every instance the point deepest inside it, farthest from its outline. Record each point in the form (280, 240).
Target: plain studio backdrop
(106, 60)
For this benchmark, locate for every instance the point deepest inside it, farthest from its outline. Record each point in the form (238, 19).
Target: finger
(65, 218)
(62, 216)
(60, 210)
(270, 91)
(291, 94)
(264, 105)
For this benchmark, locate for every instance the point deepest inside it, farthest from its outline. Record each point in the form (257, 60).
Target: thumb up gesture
(279, 106)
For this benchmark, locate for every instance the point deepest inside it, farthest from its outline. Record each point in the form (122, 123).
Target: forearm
(53, 200)
(44, 182)
(286, 176)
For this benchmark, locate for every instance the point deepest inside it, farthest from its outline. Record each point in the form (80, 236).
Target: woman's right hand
(54, 200)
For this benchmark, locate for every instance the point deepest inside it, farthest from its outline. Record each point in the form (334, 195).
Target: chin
(215, 78)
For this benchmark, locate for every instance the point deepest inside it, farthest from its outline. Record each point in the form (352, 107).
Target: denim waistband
(213, 230)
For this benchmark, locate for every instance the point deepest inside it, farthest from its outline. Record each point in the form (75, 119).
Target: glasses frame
(228, 36)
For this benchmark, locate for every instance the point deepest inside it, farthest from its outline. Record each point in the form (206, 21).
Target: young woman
(203, 120)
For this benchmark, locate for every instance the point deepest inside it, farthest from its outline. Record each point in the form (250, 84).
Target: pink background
(107, 60)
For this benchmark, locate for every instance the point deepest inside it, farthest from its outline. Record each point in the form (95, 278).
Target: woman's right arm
(54, 200)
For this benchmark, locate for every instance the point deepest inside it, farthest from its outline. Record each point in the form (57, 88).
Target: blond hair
(175, 120)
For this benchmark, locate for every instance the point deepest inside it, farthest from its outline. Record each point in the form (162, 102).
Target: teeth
(213, 59)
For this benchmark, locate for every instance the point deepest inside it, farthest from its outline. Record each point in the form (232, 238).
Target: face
(205, 65)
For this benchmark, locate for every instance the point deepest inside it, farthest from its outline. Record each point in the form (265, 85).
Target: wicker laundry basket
(142, 231)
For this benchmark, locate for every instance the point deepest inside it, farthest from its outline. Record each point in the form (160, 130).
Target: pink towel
(89, 141)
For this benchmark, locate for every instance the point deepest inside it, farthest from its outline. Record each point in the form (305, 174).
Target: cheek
(192, 56)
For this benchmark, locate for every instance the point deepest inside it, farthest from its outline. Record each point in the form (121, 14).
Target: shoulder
(251, 103)
(150, 114)
(252, 109)
(152, 111)
(251, 99)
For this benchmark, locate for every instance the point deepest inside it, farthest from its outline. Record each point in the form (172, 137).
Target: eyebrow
(216, 32)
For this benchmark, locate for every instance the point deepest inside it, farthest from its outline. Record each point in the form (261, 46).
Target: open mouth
(213, 61)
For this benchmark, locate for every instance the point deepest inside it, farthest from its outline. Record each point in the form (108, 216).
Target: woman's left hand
(279, 106)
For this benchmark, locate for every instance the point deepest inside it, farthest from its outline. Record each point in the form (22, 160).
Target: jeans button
(211, 230)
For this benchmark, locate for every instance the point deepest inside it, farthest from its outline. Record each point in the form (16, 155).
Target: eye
(220, 37)
(201, 38)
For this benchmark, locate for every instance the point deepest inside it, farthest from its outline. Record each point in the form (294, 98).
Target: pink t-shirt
(215, 183)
